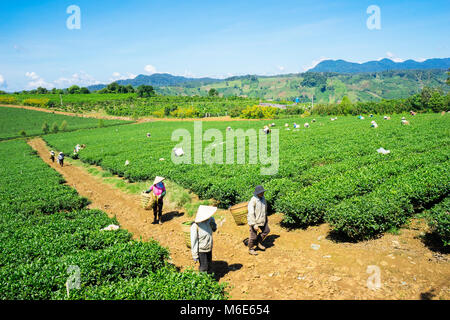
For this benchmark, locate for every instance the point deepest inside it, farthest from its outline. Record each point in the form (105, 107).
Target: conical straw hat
(158, 180)
(204, 213)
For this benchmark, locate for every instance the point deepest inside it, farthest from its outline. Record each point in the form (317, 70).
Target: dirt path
(290, 268)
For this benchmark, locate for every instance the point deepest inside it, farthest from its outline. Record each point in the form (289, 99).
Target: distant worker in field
(202, 238)
(266, 130)
(257, 220)
(52, 156)
(159, 191)
(61, 159)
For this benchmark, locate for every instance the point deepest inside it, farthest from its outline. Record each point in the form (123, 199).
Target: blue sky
(121, 39)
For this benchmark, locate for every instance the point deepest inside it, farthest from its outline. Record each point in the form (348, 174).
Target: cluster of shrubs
(428, 100)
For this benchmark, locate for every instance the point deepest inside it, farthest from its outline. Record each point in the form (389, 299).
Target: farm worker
(257, 219)
(148, 135)
(306, 125)
(52, 156)
(374, 124)
(266, 130)
(159, 191)
(228, 128)
(61, 159)
(201, 237)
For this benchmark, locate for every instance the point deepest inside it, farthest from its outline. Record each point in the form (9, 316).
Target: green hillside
(326, 87)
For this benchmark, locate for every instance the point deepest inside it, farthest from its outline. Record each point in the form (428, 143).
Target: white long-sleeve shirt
(201, 236)
(257, 211)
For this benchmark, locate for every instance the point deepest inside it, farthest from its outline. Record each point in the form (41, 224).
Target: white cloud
(281, 68)
(32, 75)
(2, 82)
(314, 63)
(37, 81)
(188, 74)
(150, 69)
(81, 79)
(118, 76)
(392, 56)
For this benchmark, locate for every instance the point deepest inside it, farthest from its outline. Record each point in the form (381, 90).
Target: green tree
(144, 91)
(345, 106)
(45, 127)
(63, 126)
(213, 92)
(113, 87)
(84, 90)
(448, 77)
(129, 88)
(23, 133)
(55, 128)
(41, 90)
(436, 102)
(73, 89)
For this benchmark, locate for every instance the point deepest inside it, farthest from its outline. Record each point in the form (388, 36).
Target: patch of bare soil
(298, 264)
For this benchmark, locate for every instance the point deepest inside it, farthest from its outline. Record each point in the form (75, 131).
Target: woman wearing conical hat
(159, 191)
(201, 237)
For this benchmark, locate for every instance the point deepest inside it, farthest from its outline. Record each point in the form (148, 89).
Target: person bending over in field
(257, 220)
(201, 237)
(52, 156)
(61, 159)
(159, 191)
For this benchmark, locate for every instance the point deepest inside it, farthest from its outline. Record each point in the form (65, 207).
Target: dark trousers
(205, 259)
(157, 209)
(52, 158)
(255, 238)
(61, 162)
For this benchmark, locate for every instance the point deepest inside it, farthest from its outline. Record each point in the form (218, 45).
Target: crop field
(14, 120)
(330, 172)
(127, 104)
(46, 230)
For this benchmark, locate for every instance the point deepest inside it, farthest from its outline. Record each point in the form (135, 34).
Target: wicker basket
(147, 200)
(239, 213)
(186, 227)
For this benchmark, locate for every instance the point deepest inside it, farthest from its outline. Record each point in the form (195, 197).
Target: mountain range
(342, 66)
(330, 66)
(328, 82)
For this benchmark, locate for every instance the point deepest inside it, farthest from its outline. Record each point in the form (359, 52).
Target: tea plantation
(46, 230)
(330, 172)
(16, 122)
